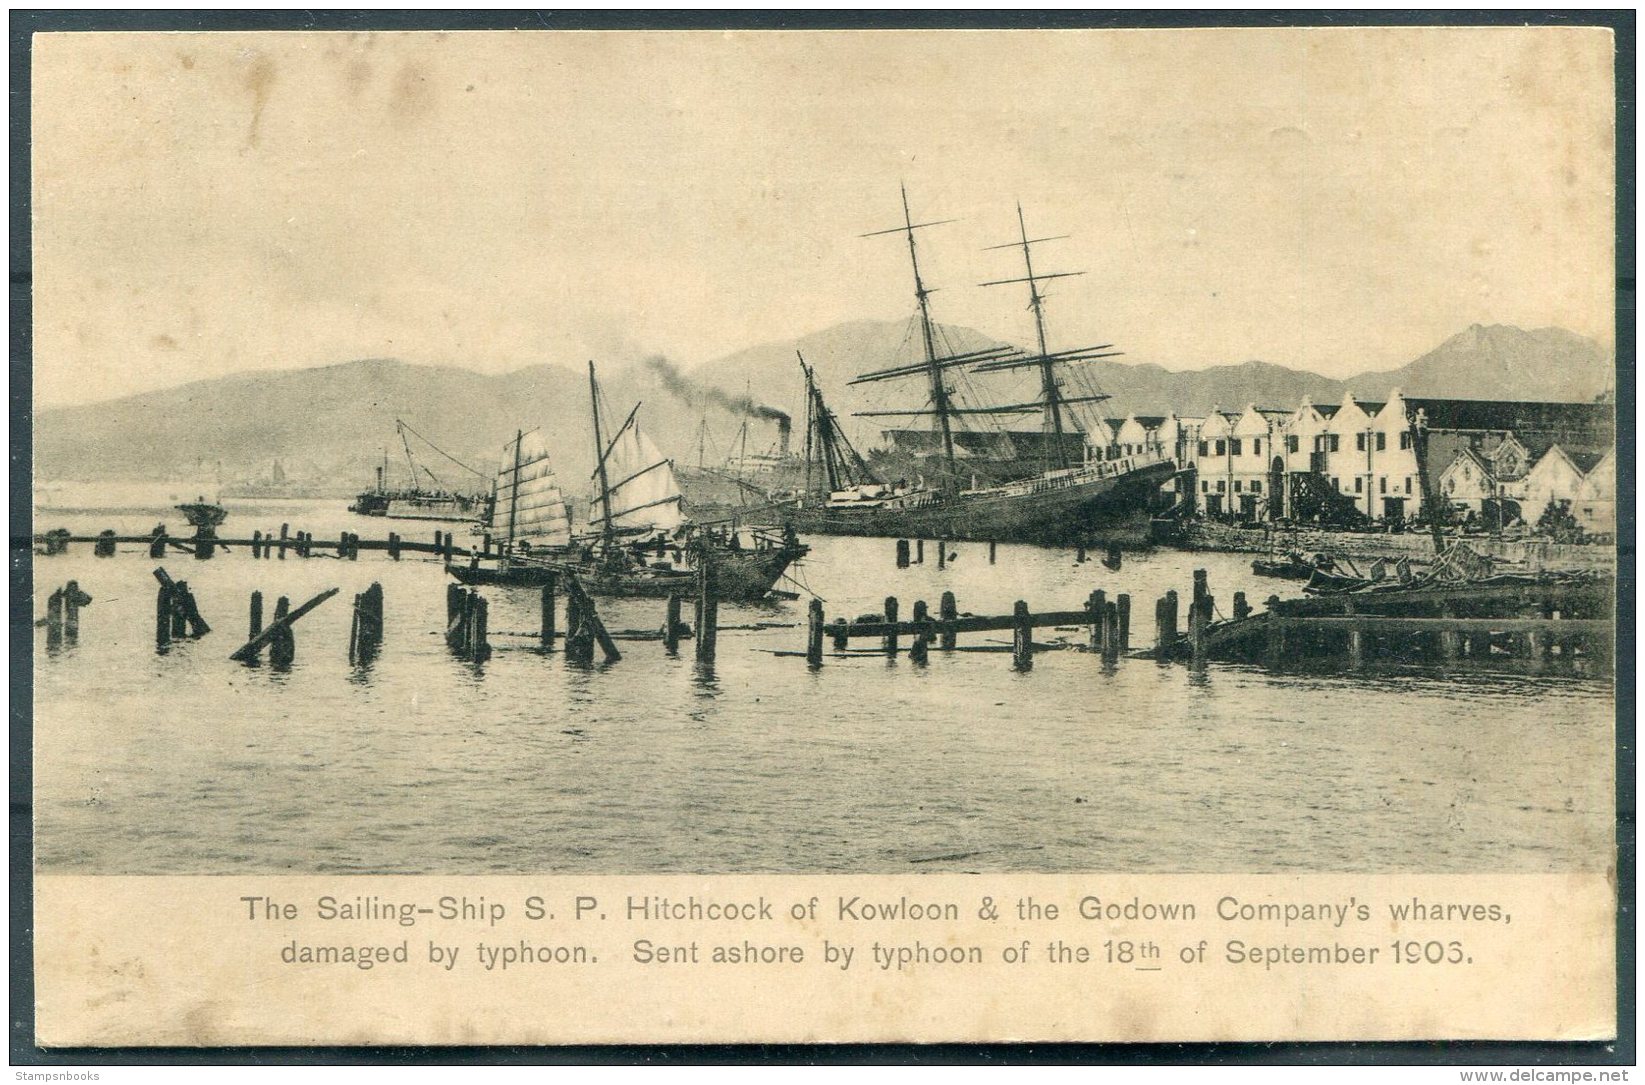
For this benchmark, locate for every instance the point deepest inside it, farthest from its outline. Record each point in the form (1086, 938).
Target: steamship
(744, 485)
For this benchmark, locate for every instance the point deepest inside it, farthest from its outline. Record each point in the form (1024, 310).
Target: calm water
(186, 762)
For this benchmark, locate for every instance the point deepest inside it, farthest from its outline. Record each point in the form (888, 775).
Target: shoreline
(1536, 554)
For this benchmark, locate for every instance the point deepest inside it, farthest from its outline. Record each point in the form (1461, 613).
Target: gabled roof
(1151, 421)
(1469, 454)
(1327, 410)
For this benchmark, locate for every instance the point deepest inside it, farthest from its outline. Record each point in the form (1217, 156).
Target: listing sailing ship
(639, 543)
(1073, 498)
(414, 502)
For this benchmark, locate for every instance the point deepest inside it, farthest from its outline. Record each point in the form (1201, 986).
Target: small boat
(1293, 567)
(1325, 582)
(202, 513)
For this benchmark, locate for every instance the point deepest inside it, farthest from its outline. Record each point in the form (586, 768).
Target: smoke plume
(689, 390)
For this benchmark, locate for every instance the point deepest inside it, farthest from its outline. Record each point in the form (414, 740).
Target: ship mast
(514, 492)
(933, 367)
(600, 454)
(1051, 397)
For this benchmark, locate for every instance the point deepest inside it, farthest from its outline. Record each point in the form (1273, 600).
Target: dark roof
(1369, 407)
(1327, 410)
(1585, 461)
(1151, 421)
(1526, 419)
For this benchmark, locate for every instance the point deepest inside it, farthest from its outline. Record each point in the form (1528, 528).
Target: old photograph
(905, 454)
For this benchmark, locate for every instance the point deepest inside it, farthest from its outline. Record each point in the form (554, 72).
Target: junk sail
(634, 484)
(530, 505)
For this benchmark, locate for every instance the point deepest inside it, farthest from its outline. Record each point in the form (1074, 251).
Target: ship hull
(1098, 511)
(740, 576)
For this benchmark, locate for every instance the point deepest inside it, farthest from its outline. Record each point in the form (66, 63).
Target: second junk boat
(1071, 499)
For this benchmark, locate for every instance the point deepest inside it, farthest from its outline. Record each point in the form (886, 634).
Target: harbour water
(185, 762)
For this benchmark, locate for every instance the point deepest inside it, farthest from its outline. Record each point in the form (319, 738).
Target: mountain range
(329, 426)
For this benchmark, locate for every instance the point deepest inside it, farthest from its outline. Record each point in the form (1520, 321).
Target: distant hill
(329, 425)
(1501, 362)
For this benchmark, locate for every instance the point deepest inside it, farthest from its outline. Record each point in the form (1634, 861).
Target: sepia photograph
(586, 482)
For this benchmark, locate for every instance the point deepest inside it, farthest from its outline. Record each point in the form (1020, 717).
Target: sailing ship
(639, 541)
(1072, 498)
(414, 502)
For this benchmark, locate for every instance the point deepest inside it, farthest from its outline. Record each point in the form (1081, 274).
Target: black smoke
(689, 390)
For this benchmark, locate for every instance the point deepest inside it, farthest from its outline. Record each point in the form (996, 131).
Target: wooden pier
(206, 544)
(1520, 621)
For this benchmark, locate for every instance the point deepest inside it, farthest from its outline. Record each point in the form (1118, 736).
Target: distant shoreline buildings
(1494, 460)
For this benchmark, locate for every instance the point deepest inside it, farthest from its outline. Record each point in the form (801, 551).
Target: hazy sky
(1334, 200)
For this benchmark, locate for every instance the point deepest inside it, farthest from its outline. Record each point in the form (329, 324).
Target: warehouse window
(1382, 442)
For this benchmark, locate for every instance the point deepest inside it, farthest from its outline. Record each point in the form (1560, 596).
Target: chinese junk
(639, 543)
(1070, 497)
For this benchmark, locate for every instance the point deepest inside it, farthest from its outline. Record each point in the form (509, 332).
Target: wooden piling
(947, 611)
(1161, 644)
(1198, 617)
(394, 545)
(1122, 603)
(1022, 637)
(282, 645)
(814, 633)
(54, 620)
(256, 623)
(891, 620)
(104, 547)
(157, 547)
(256, 544)
(72, 599)
(1111, 632)
(708, 609)
(671, 625)
(1099, 615)
(179, 618)
(162, 615)
(840, 631)
(1171, 613)
(479, 646)
(547, 608)
(919, 647)
(285, 533)
(902, 553)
